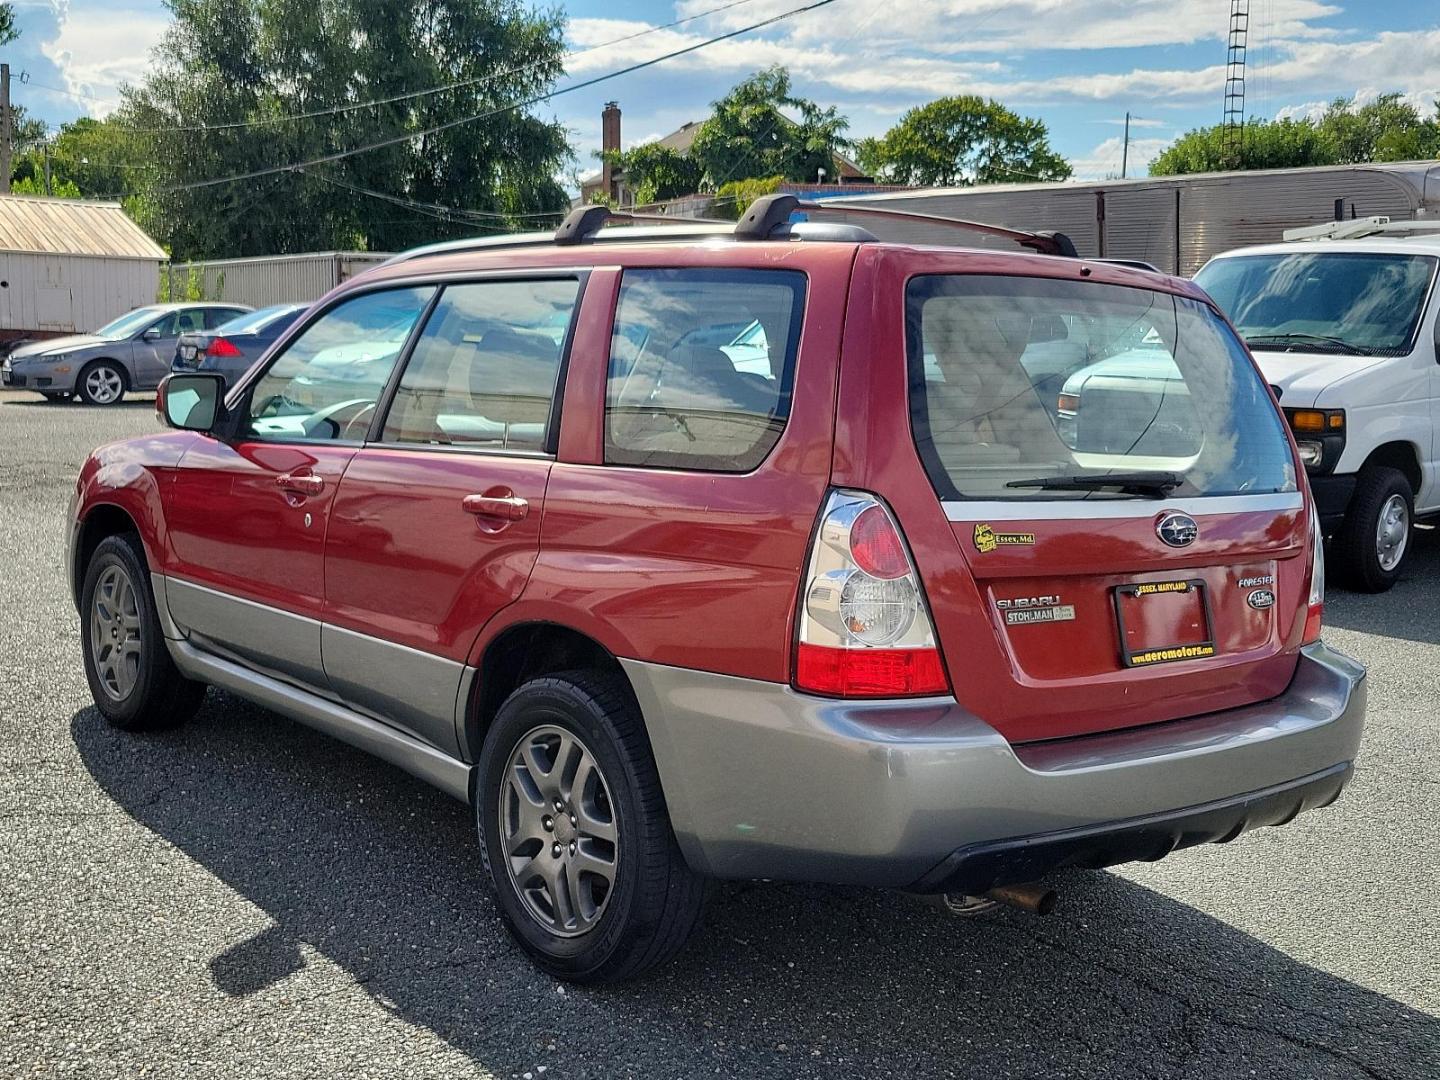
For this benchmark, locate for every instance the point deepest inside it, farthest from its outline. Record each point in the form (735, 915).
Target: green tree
(735, 197)
(1268, 144)
(960, 141)
(224, 62)
(760, 128)
(1387, 129)
(654, 172)
(8, 32)
(95, 158)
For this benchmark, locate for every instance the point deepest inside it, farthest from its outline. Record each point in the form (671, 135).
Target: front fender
(124, 477)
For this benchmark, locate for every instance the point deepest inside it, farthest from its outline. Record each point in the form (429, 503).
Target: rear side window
(215, 318)
(1018, 381)
(484, 369)
(702, 365)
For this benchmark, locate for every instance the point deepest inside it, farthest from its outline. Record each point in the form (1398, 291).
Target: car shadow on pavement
(1407, 610)
(379, 874)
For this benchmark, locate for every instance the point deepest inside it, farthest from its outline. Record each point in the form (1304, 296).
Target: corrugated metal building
(271, 279)
(68, 266)
(1174, 222)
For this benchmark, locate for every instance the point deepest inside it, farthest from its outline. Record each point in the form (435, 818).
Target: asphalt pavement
(244, 897)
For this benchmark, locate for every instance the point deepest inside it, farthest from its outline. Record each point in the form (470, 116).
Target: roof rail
(1355, 228)
(769, 212)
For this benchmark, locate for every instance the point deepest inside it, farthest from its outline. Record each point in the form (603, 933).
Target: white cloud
(1106, 158)
(99, 49)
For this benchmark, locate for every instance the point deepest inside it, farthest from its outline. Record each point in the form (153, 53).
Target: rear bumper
(763, 782)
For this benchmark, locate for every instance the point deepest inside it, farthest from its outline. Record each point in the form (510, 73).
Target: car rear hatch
(1119, 491)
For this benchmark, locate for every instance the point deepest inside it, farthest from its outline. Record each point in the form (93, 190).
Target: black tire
(656, 902)
(87, 394)
(1356, 548)
(159, 696)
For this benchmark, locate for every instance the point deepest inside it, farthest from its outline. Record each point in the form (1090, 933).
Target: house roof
(72, 227)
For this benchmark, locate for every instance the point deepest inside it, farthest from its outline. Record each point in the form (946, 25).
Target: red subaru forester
(759, 551)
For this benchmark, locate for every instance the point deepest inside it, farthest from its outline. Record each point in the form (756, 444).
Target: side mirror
(152, 334)
(190, 402)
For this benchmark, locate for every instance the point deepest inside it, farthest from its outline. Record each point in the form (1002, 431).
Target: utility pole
(5, 132)
(1125, 152)
(45, 148)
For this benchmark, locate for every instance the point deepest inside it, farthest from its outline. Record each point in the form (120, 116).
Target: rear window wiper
(1292, 339)
(1154, 484)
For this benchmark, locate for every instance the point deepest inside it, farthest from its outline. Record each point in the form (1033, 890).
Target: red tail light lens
(870, 672)
(863, 629)
(222, 347)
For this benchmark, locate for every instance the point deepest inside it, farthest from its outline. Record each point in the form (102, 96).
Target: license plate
(1161, 622)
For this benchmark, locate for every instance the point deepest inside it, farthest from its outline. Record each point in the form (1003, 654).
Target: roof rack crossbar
(771, 211)
(1355, 228)
(585, 221)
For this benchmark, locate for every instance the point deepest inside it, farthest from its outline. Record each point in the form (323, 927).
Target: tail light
(1315, 603)
(222, 347)
(863, 629)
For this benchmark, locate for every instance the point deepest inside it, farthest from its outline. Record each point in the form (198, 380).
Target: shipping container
(271, 279)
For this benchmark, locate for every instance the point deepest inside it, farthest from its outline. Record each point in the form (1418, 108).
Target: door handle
(305, 484)
(504, 507)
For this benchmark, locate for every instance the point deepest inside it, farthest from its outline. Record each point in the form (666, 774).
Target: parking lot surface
(243, 897)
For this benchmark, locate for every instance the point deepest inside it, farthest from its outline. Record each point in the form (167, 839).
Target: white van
(1342, 320)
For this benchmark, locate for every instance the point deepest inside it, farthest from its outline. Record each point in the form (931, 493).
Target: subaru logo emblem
(1176, 529)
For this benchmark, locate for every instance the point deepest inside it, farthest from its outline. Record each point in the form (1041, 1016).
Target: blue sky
(1076, 64)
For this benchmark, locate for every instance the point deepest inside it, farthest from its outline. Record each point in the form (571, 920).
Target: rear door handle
(305, 484)
(503, 507)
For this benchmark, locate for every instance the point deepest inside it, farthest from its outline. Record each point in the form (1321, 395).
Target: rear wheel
(574, 833)
(101, 383)
(133, 680)
(1375, 537)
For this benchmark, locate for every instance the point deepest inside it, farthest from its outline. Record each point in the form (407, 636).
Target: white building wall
(71, 293)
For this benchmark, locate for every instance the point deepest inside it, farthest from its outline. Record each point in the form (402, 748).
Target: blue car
(231, 348)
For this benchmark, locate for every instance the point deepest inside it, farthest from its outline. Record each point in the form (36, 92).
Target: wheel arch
(525, 651)
(101, 521)
(1402, 456)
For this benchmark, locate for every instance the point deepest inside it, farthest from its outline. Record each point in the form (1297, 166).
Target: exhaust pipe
(1027, 896)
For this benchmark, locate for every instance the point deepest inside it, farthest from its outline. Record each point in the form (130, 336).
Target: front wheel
(101, 383)
(1375, 537)
(574, 833)
(133, 680)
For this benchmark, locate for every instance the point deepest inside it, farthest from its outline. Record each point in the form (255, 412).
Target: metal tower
(1233, 133)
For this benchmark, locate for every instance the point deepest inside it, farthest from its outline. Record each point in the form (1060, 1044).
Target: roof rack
(770, 211)
(1355, 228)
(768, 218)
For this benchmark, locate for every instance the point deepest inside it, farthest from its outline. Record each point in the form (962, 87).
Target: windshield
(1027, 388)
(1333, 302)
(129, 324)
(252, 322)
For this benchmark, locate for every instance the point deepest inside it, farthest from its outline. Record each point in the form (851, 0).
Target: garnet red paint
(704, 570)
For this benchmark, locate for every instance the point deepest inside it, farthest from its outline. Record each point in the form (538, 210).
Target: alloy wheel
(1392, 532)
(115, 643)
(559, 831)
(103, 384)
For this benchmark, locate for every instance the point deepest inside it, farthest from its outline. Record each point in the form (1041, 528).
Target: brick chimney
(609, 142)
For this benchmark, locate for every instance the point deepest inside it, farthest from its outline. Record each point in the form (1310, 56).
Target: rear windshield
(1352, 303)
(1018, 386)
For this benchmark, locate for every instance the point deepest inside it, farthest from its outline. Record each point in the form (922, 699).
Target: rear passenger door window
(702, 366)
(484, 370)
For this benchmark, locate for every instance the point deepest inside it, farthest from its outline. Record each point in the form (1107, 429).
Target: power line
(435, 210)
(479, 80)
(409, 136)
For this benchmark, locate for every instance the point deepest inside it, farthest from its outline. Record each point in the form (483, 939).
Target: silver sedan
(131, 353)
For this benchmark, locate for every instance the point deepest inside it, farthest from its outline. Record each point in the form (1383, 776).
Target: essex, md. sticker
(987, 539)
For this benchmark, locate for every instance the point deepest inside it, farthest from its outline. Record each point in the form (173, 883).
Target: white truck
(1342, 320)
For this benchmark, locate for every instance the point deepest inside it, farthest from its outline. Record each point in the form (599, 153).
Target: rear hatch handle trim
(1089, 509)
